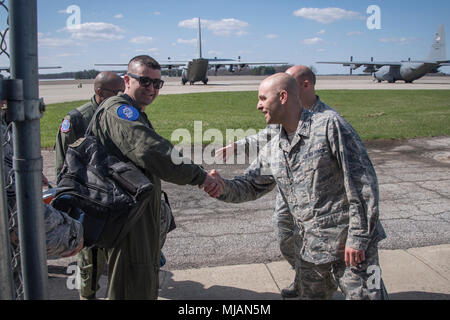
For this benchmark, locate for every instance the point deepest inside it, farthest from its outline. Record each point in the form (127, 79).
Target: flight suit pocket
(142, 282)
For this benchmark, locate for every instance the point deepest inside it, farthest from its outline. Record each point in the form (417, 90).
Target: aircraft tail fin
(437, 52)
(199, 43)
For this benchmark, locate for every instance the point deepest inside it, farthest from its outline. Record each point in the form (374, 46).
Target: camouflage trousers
(363, 282)
(91, 263)
(283, 224)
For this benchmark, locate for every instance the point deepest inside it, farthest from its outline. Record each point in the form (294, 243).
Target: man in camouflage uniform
(282, 219)
(91, 262)
(64, 235)
(126, 132)
(327, 181)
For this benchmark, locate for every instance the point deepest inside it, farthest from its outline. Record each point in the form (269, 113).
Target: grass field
(375, 114)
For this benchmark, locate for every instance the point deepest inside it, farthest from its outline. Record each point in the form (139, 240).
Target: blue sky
(298, 32)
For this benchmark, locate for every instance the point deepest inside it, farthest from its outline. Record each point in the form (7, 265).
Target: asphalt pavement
(229, 251)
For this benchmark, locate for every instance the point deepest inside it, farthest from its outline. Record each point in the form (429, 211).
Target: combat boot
(290, 292)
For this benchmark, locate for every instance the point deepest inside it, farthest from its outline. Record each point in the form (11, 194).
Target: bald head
(107, 84)
(278, 99)
(302, 73)
(306, 81)
(281, 82)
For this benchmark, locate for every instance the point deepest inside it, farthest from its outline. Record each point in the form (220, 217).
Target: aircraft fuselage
(408, 71)
(196, 71)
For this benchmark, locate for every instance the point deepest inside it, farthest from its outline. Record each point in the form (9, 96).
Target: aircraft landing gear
(205, 81)
(183, 81)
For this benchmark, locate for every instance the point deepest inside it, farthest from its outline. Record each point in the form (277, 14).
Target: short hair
(145, 60)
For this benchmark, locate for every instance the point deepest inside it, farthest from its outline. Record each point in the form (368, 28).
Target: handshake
(213, 184)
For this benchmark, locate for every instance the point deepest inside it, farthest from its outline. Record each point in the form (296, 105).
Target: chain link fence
(9, 172)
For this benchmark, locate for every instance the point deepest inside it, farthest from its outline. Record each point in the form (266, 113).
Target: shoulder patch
(65, 126)
(128, 113)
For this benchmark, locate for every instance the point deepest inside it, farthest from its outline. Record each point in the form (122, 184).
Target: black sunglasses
(146, 81)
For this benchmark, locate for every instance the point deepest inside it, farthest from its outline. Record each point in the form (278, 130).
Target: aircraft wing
(168, 64)
(243, 63)
(7, 68)
(363, 63)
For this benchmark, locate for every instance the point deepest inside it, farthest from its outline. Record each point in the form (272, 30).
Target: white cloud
(142, 40)
(321, 31)
(354, 33)
(224, 27)
(327, 15)
(118, 16)
(44, 42)
(402, 40)
(96, 31)
(312, 41)
(321, 50)
(214, 53)
(187, 41)
(150, 50)
(156, 13)
(271, 36)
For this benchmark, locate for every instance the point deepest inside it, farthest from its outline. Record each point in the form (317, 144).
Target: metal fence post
(6, 279)
(27, 152)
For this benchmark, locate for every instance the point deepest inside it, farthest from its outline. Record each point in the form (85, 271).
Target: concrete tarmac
(68, 90)
(229, 251)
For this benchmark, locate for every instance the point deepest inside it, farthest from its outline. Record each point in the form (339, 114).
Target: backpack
(105, 194)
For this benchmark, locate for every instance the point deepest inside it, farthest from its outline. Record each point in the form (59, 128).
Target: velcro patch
(127, 112)
(65, 126)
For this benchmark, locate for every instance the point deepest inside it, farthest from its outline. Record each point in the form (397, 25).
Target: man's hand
(77, 249)
(213, 185)
(354, 257)
(226, 151)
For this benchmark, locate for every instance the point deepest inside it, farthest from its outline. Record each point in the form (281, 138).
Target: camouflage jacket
(259, 140)
(62, 233)
(326, 179)
(252, 144)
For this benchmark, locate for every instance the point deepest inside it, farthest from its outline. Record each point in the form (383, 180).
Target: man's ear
(306, 84)
(126, 80)
(283, 96)
(99, 92)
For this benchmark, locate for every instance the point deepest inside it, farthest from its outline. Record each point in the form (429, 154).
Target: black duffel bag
(104, 193)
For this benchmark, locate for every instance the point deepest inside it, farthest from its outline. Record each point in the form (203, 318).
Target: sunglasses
(146, 81)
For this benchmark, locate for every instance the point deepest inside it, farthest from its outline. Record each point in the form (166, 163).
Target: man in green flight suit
(107, 84)
(126, 132)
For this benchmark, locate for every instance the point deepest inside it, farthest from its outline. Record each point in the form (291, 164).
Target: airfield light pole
(27, 154)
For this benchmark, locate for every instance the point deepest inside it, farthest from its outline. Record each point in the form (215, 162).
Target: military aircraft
(7, 69)
(407, 71)
(197, 69)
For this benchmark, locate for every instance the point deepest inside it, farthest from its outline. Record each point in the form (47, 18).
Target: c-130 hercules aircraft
(197, 69)
(407, 71)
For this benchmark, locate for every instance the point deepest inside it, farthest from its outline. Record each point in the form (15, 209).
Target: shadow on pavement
(418, 295)
(192, 290)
